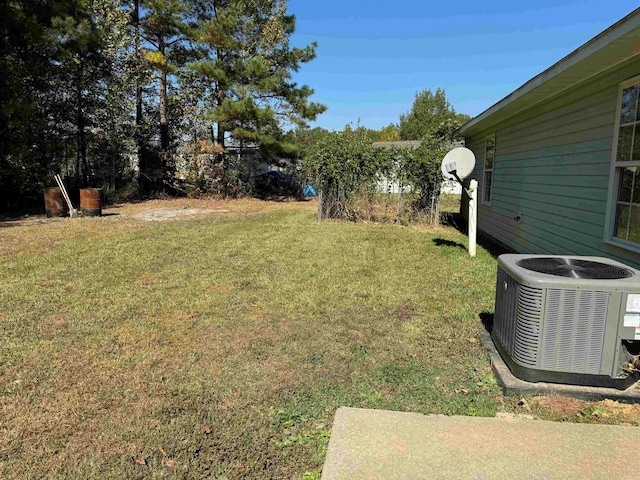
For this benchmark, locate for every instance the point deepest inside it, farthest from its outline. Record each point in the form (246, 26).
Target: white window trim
(485, 170)
(612, 196)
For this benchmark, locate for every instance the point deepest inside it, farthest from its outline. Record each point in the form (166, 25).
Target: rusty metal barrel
(91, 202)
(54, 203)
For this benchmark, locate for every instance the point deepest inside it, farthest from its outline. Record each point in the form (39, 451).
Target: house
(393, 186)
(557, 160)
(387, 185)
(246, 158)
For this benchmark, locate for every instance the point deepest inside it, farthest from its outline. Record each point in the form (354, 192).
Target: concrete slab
(514, 386)
(378, 444)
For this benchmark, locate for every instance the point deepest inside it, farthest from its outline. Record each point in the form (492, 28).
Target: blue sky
(374, 56)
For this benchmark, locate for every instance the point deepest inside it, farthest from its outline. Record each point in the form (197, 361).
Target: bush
(424, 173)
(343, 164)
(130, 192)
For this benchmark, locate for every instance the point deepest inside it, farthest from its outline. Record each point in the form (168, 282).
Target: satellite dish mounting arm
(455, 174)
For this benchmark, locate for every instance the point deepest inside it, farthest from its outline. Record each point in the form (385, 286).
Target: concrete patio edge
(379, 444)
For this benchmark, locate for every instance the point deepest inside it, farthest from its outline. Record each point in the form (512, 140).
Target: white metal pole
(473, 216)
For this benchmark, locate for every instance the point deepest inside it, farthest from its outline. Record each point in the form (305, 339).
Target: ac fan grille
(504, 327)
(527, 338)
(573, 332)
(574, 268)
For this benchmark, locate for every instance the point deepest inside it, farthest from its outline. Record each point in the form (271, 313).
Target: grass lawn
(221, 345)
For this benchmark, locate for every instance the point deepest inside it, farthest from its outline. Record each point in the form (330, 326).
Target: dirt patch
(561, 406)
(620, 412)
(166, 214)
(605, 411)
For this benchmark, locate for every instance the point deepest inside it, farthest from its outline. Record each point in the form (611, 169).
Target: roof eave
(623, 38)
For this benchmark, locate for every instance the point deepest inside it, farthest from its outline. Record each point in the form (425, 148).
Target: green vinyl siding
(551, 169)
(565, 155)
(560, 165)
(562, 125)
(589, 211)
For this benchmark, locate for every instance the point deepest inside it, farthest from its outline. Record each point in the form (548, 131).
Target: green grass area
(221, 346)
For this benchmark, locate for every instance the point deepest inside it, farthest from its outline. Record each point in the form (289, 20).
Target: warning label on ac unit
(633, 303)
(632, 319)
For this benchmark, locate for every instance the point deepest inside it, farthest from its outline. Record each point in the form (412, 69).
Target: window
(626, 165)
(489, 157)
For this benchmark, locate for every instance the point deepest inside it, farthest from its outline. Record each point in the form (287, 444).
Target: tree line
(105, 91)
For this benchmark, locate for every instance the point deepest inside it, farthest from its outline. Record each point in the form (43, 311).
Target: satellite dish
(460, 161)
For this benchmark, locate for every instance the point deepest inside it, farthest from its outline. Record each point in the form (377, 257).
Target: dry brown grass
(103, 397)
(244, 206)
(121, 339)
(562, 407)
(41, 235)
(38, 234)
(605, 411)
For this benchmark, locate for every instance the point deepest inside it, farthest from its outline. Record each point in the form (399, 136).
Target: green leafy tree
(424, 173)
(94, 74)
(53, 70)
(26, 50)
(361, 131)
(431, 115)
(433, 120)
(114, 134)
(390, 133)
(249, 69)
(83, 62)
(303, 139)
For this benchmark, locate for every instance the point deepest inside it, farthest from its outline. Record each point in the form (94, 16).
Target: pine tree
(249, 70)
(165, 34)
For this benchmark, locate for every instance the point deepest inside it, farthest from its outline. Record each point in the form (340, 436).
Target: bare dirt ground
(162, 210)
(37, 233)
(173, 213)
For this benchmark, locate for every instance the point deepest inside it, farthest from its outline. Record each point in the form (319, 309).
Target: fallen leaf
(139, 461)
(206, 429)
(166, 460)
(254, 305)
(472, 340)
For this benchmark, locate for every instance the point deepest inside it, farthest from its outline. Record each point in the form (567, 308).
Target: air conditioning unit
(567, 319)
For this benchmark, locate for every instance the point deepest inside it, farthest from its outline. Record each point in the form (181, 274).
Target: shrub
(343, 164)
